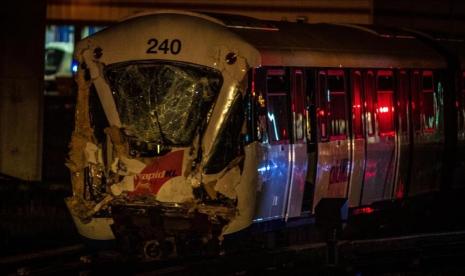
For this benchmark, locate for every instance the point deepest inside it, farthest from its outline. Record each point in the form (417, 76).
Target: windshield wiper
(163, 139)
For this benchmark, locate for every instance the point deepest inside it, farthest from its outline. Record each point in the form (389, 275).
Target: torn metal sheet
(126, 185)
(246, 190)
(91, 153)
(117, 141)
(227, 183)
(82, 135)
(131, 166)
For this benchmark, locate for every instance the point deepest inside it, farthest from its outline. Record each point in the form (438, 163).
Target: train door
(333, 144)
(404, 137)
(358, 140)
(380, 136)
(428, 136)
(273, 88)
(298, 147)
(312, 140)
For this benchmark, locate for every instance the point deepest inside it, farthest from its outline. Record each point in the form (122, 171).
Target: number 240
(166, 46)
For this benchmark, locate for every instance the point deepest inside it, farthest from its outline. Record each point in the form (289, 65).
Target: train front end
(156, 157)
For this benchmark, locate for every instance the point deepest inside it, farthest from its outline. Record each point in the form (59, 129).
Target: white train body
(194, 110)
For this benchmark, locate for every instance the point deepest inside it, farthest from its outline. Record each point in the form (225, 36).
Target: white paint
(133, 166)
(177, 189)
(128, 183)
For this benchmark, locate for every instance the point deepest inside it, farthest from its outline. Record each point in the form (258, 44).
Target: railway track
(427, 253)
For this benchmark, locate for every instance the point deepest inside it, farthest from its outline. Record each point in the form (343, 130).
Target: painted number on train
(167, 46)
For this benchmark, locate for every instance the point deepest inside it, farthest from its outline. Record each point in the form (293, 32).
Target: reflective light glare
(267, 168)
(74, 66)
(383, 109)
(273, 120)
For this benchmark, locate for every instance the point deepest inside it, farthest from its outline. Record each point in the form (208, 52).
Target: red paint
(162, 169)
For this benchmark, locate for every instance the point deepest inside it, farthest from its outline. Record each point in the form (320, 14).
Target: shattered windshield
(162, 102)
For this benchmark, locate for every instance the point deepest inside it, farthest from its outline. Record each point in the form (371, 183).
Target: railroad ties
(435, 252)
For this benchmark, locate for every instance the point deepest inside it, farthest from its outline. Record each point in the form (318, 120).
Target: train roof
(282, 43)
(333, 45)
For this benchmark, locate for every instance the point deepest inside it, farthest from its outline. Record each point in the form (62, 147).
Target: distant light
(383, 109)
(74, 66)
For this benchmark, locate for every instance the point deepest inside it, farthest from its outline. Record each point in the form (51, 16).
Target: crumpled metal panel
(162, 103)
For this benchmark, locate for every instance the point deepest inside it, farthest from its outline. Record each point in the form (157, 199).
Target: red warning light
(363, 210)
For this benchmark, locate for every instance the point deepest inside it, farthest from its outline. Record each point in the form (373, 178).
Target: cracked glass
(163, 102)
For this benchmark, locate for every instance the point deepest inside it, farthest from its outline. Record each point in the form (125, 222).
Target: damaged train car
(158, 123)
(189, 126)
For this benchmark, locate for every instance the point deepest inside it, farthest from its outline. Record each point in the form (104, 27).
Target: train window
(276, 81)
(298, 105)
(428, 81)
(369, 103)
(251, 109)
(416, 100)
(277, 104)
(257, 86)
(357, 104)
(311, 96)
(385, 81)
(428, 102)
(166, 112)
(402, 100)
(228, 146)
(385, 103)
(336, 105)
(331, 105)
(322, 111)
